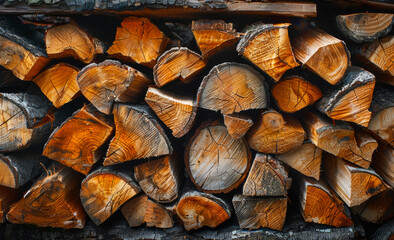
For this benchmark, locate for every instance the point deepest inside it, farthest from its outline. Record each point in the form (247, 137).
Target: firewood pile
(197, 122)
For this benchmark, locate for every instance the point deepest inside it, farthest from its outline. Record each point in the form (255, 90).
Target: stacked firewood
(170, 134)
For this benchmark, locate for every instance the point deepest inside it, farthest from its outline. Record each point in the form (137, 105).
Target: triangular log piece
(320, 204)
(365, 27)
(197, 210)
(366, 142)
(59, 83)
(138, 40)
(104, 190)
(19, 167)
(138, 135)
(213, 36)
(141, 209)
(7, 197)
(256, 212)
(273, 133)
(306, 159)
(338, 139)
(20, 53)
(69, 40)
(216, 162)
(78, 142)
(110, 81)
(52, 201)
(268, 47)
(24, 120)
(267, 177)
(377, 57)
(353, 184)
(321, 53)
(160, 178)
(177, 63)
(176, 112)
(294, 93)
(350, 101)
(237, 124)
(232, 87)
(382, 108)
(383, 163)
(377, 209)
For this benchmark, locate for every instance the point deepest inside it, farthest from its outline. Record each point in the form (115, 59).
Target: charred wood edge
(383, 97)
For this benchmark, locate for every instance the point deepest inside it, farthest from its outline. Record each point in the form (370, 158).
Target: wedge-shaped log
(365, 27)
(177, 63)
(383, 163)
(232, 87)
(320, 204)
(353, 184)
(52, 201)
(69, 40)
(306, 159)
(59, 83)
(138, 40)
(377, 209)
(268, 47)
(214, 36)
(256, 212)
(216, 162)
(104, 190)
(24, 120)
(141, 209)
(350, 101)
(274, 133)
(294, 93)
(197, 210)
(267, 177)
(237, 124)
(78, 142)
(321, 53)
(176, 112)
(7, 197)
(138, 135)
(160, 178)
(110, 81)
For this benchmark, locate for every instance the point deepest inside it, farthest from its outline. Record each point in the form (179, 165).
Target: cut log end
(383, 163)
(377, 209)
(237, 124)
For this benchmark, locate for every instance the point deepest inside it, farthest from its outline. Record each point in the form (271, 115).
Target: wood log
(377, 57)
(256, 212)
(273, 133)
(7, 197)
(69, 40)
(237, 124)
(267, 177)
(136, 126)
(351, 100)
(377, 209)
(23, 120)
(321, 53)
(353, 184)
(78, 142)
(160, 178)
(366, 142)
(365, 27)
(268, 47)
(232, 87)
(214, 36)
(338, 139)
(216, 162)
(177, 63)
(110, 81)
(104, 190)
(196, 210)
(141, 209)
(306, 159)
(382, 108)
(294, 93)
(138, 40)
(52, 201)
(383, 163)
(176, 112)
(59, 83)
